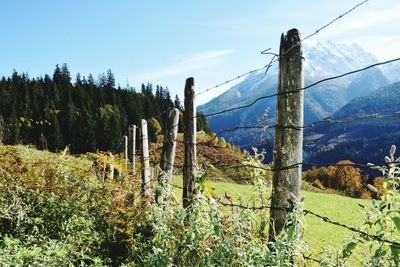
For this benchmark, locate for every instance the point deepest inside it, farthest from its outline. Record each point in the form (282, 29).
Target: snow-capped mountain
(322, 59)
(328, 58)
(392, 71)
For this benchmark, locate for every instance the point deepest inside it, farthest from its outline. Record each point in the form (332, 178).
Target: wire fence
(275, 57)
(328, 121)
(251, 103)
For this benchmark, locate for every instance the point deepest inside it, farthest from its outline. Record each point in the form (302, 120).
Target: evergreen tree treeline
(52, 112)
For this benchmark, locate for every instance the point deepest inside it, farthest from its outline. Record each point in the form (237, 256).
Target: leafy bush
(54, 211)
(382, 221)
(346, 179)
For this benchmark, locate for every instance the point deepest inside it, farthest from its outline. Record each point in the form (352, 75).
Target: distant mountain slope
(361, 141)
(392, 72)
(321, 60)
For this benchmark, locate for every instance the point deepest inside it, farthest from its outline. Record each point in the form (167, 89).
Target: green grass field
(320, 236)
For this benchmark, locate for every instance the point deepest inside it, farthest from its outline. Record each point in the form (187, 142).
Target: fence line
(305, 211)
(303, 88)
(311, 125)
(289, 93)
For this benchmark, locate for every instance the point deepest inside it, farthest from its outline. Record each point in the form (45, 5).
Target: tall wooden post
(169, 147)
(133, 134)
(288, 145)
(190, 162)
(126, 150)
(146, 186)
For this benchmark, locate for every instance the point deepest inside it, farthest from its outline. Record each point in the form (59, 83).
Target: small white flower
(392, 150)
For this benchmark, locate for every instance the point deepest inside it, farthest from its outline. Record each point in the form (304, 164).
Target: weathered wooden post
(126, 150)
(169, 148)
(133, 134)
(288, 145)
(146, 186)
(189, 136)
(111, 167)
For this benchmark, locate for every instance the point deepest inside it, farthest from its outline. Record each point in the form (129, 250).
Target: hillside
(361, 141)
(59, 206)
(212, 158)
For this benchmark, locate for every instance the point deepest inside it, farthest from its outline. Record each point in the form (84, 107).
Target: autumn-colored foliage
(344, 177)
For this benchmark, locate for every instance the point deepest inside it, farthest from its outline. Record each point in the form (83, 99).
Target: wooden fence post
(133, 134)
(126, 150)
(190, 162)
(146, 185)
(169, 148)
(111, 167)
(288, 144)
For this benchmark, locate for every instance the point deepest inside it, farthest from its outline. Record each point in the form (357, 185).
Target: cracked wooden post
(288, 144)
(133, 134)
(146, 182)
(189, 136)
(169, 148)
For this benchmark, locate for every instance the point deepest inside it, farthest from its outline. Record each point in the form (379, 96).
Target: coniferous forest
(85, 115)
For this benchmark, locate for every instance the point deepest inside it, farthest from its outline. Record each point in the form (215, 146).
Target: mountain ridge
(322, 60)
(364, 140)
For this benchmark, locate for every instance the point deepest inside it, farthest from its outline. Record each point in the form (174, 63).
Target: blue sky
(165, 42)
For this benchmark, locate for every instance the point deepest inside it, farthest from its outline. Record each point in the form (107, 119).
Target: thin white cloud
(383, 46)
(188, 64)
(365, 20)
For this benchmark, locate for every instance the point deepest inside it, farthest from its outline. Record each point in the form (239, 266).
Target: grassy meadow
(72, 187)
(319, 235)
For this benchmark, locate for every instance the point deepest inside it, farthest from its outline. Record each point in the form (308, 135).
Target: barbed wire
(266, 67)
(296, 165)
(317, 31)
(324, 218)
(292, 92)
(120, 143)
(296, 127)
(352, 228)
(303, 88)
(275, 57)
(334, 20)
(311, 259)
(289, 92)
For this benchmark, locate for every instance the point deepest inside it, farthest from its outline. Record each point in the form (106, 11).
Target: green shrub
(382, 220)
(55, 212)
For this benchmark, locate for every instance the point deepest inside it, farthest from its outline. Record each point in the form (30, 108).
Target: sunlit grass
(319, 235)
